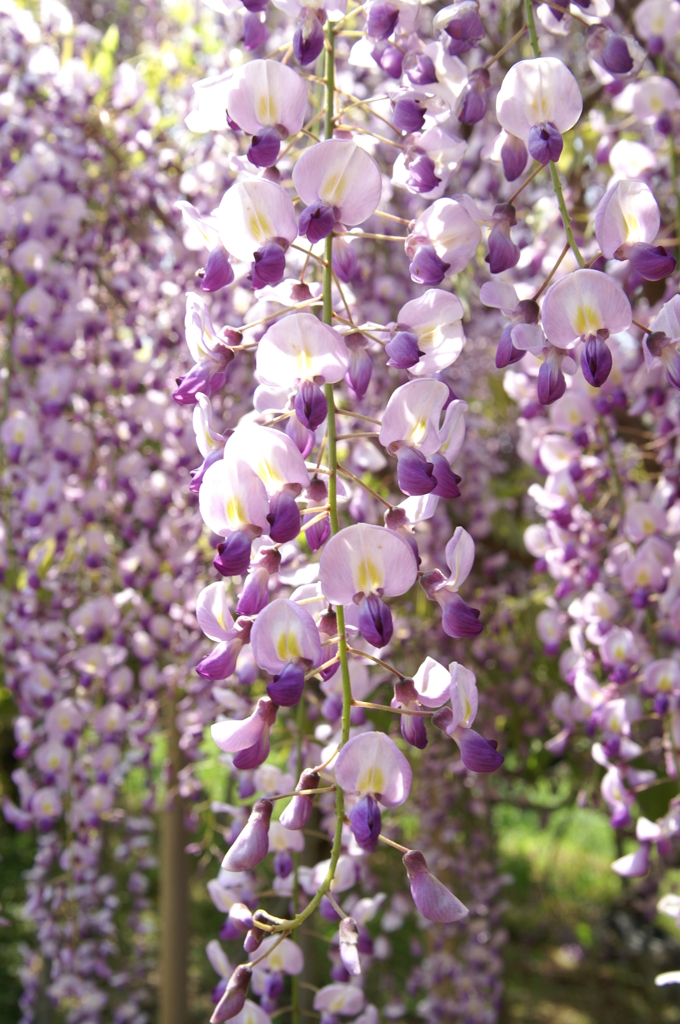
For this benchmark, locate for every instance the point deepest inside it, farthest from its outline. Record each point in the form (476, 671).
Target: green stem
(557, 185)
(336, 849)
(673, 156)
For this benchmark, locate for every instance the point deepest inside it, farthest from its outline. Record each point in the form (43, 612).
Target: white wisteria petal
(266, 94)
(366, 559)
(212, 612)
(301, 347)
(583, 303)
(253, 213)
(627, 213)
(270, 453)
(412, 415)
(341, 998)
(433, 683)
(232, 497)
(435, 318)
(538, 91)
(284, 632)
(343, 175)
(371, 763)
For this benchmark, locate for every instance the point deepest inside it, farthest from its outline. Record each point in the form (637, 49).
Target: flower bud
(375, 621)
(596, 361)
(382, 21)
(252, 844)
(296, 815)
(408, 115)
(514, 157)
(365, 821)
(234, 996)
(431, 897)
(308, 39)
(349, 941)
(218, 271)
(311, 407)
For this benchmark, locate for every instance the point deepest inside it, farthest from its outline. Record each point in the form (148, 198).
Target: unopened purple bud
(360, 368)
(331, 709)
(478, 754)
(264, 149)
(241, 917)
(503, 253)
(318, 533)
(311, 407)
(408, 115)
(283, 863)
(345, 260)
(661, 703)
(596, 361)
(308, 39)
(390, 60)
(382, 21)
(465, 30)
(422, 72)
(615, 57)
(348, 934)
(234, 996)
(255, 594)
(460, 620)
(253, 939)
(296, 815)
(514, 157)
(551, 384)
(252, 843)
(316, 221)
(375, 621)
(233, 554)
(365, 821)
(255, 32)
(402, 350)
(655, 45)
(506, 353)
(620, 818)
(431, 897)
(652, 262)
(545, 143)
(301, 436)
(338, 973)
(414, 472)
(221, 662)
(446, 480)
(664, 123)
(413, 730)
(255, 6)
(421, 174)
(427, 268)
(286, 688)
(218, 271)
(471, 106)
(283, 518)
(228, 933)
(269, 265)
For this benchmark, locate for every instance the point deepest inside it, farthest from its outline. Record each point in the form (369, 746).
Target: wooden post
(174, 894)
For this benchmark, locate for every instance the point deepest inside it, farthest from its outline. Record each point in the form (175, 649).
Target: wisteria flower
(586, 306)
(428, 335)
(285, 641)
(662, 345)
(256, 222)
(268, 100)
(458, 619)
(443, 239)
(339, 181)
(362, 564)
(626, 223)
(371, 767)
(537, 102)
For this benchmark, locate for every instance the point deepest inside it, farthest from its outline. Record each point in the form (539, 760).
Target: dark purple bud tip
(345, 260)
(413, 730)
(545, 143)
(390, 59)
(652, 262)
(286, 688)
(421, 174)
(446, 480)
(241, 917)
(551, 384)
(218, 271)
(596, 361)
(255, 6)
(427, 268)
(316, 221)
(255, 594)
(234, 996)
(514, 157)
(420, 71)
(472, 106)
(408, 115)
(431, 897)
(264, 149)
(365, 821)
(464, 30)
(311, 407)
(661, 703)
(503, 253)
(382, 21)
(269, 266)
(283, 518)
(459, 620)
(415, 475)
(616, 58)
(308, 39)
(253, 940)
(506, 353)
(283, 863)
(375, 621)
(233, 554)
(478, 754)
(402, 350)
(358, 375)
(317, 535)
(221, 662)
(252, 843)
(255, 34)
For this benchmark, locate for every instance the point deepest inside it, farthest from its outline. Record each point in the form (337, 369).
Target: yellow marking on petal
(234, 511)
(303, 363)
(642, 577)
(369, 578)
(587, 320)
(259, 226)
(264, 113)
(632, 223)
(287, 646)
(268, 475)
(371, 780)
